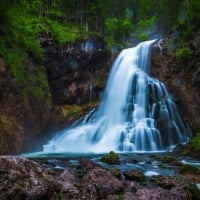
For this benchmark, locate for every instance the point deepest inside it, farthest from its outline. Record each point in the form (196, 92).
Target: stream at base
(150, 164)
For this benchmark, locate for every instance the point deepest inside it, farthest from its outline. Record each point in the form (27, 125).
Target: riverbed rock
(179, 187)
(67, 181)
(25, 179)
(134, 176)
(86, 165)
(100, 183)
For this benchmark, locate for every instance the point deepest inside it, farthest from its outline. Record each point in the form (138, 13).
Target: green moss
(62, 33)
(116, 173)
(158, 180)
(195, 142)
(111, 158)
(184, 153)
(189, 169)
(168, 159)
(163, 166)
(183, 53)
(71, 110)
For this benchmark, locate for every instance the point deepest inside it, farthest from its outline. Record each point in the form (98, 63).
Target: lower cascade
(136, 114)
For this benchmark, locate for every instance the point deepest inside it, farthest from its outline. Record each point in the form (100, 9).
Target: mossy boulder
(168, 159)
(185, 169)
(111, 158)
(192, 149)
(134, 175)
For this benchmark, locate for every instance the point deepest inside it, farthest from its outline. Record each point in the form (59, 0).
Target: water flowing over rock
(180, 76)
(136, 114)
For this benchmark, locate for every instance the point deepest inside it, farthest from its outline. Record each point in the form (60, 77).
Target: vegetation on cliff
(23, 22)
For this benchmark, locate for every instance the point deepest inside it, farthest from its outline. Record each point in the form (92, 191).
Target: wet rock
(134, 176)
(116, 173)
(164, 182)
(24, 179)
(178, 187)
(103, 183)
(113, 197)
(158, 194)
(86, 164)
(67, 181)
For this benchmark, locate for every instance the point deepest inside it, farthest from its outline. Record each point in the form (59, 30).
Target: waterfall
(136, 114)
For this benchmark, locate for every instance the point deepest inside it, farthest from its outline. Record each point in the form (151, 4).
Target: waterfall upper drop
(136, 113)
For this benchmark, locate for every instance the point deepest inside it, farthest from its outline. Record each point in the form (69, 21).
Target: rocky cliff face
(23, 117)
(76, 71)
(76, 74)
(182, 78)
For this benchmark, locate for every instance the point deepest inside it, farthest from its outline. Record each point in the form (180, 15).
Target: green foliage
(184, 53)
(142, 37)
(62, 33)
(111, 27)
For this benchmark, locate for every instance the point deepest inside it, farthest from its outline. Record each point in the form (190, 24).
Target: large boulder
(99, 183)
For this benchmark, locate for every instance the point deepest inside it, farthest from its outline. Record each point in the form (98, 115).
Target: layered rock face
(22, 118)
(11, 130)
(182, 78)
(76, 73)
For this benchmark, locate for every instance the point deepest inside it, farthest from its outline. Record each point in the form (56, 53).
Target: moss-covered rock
(195, 143)
(111, 158)
(192, 149)
(168, 159)
(185, 169)
(134, 175)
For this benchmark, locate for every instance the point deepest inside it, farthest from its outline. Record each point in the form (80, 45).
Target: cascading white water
(136, 114)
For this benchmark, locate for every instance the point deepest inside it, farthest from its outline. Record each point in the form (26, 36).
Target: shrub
(183, 53)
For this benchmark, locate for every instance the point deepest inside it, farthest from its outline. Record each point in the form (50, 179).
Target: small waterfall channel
(136, 114)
